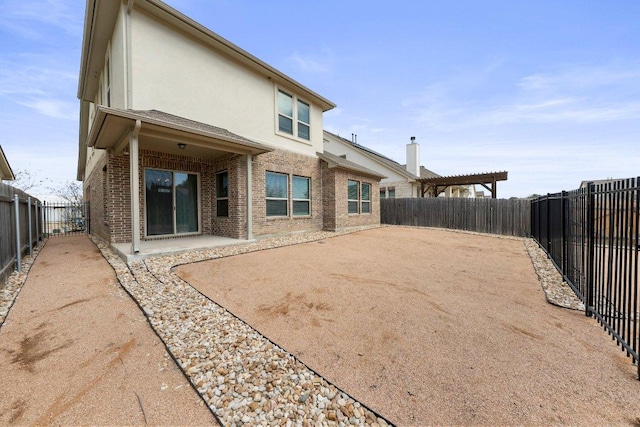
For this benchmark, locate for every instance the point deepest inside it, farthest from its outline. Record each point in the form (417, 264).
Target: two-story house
(183, 133)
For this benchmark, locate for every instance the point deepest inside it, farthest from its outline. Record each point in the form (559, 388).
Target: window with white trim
(107, 83)
(383, 193)
(294, 116)
(352, 196)
(365, 198)
(301, 196)
(277, 193)
(391, 193)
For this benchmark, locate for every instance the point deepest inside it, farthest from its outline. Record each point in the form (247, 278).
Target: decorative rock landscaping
(243, 377)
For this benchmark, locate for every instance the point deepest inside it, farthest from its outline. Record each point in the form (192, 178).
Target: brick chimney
(413, 157)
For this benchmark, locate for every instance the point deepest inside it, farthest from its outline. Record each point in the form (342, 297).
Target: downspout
(249, 200)
(135, 188)
(129, 74)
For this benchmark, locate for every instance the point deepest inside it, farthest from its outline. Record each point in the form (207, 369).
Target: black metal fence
(591, 234)
(510, 217)
(64, 218)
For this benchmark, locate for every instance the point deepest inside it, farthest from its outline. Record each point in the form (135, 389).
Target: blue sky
(547, 90)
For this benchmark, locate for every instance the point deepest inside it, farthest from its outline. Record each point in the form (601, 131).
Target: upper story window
(294, 116)
(107, 83)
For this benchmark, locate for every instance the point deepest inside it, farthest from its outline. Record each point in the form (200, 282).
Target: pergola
(439, 184)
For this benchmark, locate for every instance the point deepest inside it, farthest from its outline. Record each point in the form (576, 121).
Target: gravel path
(75, 349)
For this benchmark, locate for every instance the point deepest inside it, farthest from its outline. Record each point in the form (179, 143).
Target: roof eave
(6, 173)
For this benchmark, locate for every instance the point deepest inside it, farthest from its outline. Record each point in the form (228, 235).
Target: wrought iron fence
(63, 219)
(591, 234)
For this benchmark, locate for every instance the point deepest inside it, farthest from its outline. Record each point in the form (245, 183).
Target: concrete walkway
(75, 349)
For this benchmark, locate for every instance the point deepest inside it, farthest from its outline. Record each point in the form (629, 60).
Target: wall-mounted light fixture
(182, 145)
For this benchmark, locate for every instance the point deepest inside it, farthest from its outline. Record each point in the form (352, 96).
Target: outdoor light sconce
(182, 145)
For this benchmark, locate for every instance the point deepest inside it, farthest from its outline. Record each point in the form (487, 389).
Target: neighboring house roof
(584, 184)
(383, 160)
(342, 163)
(5, 169)
(100, 19)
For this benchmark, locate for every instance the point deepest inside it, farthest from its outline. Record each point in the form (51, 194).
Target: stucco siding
(177, 74)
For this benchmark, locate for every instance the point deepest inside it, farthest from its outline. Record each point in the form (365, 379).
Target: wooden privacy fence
(511, 217)
(20, 228)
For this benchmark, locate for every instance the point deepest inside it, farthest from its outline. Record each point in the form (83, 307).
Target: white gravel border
(242, 376)
(12, 287)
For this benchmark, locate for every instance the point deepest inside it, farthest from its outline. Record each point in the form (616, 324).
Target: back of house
(183, 133)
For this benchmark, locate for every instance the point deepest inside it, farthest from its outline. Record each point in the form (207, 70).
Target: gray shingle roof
(343, 163)
(391, 164)
(191, 125)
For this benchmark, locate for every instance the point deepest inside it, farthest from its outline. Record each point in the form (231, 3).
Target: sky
(546, 90)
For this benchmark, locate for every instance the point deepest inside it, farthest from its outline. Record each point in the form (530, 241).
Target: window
(107, 83)
(222, 194)
(392, 193)
(294, 116)
(352, 191)
(285, 112)
(301, 199)
(277, 193)
(365, 201)
(303, 120)
(171, 201)
(383, 193)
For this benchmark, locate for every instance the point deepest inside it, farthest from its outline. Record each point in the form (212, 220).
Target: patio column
(135, 188)
(249, 200)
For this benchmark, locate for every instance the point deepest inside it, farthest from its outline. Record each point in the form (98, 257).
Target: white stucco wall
(176, 74)
(118, 63)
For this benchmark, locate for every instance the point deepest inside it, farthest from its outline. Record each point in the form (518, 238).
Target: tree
(25, 180)
(74, 211)
(71, 191)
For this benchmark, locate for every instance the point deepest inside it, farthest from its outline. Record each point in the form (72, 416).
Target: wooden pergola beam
(484, 179)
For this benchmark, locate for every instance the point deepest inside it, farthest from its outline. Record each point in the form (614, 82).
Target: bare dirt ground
(76, 350)
(430, 327)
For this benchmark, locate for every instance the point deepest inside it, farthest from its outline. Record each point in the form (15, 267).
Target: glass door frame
(173, 207)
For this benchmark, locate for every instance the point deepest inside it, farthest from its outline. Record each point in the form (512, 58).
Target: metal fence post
(589, 297)
(563, 232)
(30, 227)
(16, 200)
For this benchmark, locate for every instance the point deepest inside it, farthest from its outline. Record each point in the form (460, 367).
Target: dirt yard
(76, 350)
(430, 327)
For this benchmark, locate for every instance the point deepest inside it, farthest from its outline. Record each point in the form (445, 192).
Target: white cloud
(18, 17)
(53, 108)
(316, 63)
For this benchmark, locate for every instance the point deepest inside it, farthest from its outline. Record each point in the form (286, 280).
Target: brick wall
(291, 164)
(235, 225)
(336, 214)
(329, 209)
(95, 193)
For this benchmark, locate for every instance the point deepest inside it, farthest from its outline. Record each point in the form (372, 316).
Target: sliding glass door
(171, 202)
